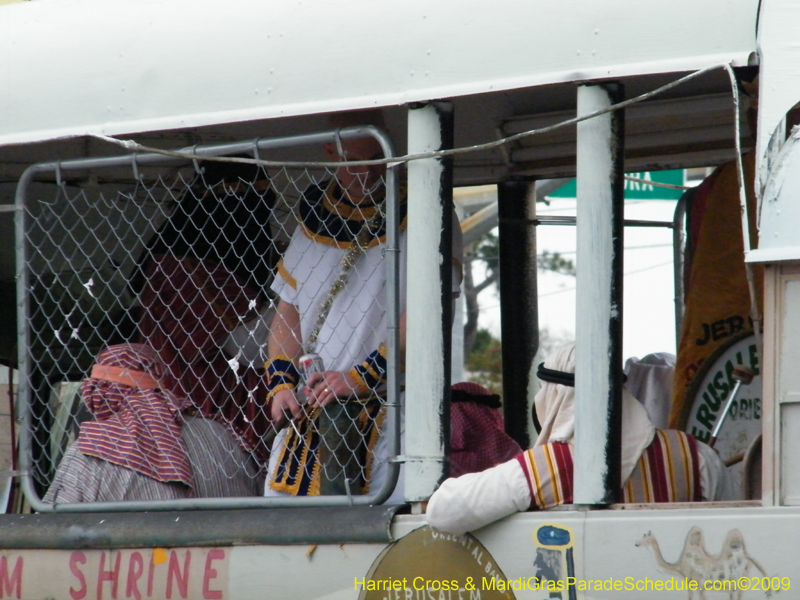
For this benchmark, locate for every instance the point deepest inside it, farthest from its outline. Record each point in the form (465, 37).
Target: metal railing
(83, 238)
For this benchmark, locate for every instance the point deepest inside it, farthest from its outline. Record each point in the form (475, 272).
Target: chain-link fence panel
(210, 328)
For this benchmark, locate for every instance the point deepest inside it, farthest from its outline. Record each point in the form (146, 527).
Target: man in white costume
(341, 228)
(656, 465)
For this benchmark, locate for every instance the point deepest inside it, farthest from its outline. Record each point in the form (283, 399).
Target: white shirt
(356, 323)
(474, 500)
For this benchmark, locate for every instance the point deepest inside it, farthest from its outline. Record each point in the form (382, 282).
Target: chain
(357, 247)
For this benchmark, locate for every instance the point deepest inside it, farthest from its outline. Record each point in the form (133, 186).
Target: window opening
(166, 270)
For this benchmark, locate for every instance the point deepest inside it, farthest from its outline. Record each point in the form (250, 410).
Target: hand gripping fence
(179, 255)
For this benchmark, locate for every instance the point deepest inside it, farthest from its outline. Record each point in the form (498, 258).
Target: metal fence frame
(392, 253)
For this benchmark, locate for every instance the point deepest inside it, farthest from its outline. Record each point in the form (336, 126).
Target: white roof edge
(184, 121)
(72, 67)
(769, 255)
(779, 55)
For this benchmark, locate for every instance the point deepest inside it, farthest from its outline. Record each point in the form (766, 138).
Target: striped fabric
(82, 478)
(134, 428)
(222, 468)
(668, 471)
(548, 470)
(282, 374)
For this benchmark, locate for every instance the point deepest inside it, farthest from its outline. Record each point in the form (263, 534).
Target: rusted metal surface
(279, 526)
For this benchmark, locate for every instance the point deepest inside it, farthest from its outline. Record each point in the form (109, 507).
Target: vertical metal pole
(457, 341)
(518, 304)
(598, 373)
(678, 260)
(457, 331)
(429, 312)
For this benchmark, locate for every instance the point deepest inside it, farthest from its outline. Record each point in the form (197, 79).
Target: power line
(637, 271)
(572, 289)
(571, 252)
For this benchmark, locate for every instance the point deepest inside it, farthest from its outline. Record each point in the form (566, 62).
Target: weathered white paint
(593, 291)
(779, 227)
(424, 449)
(768, 375)
(779, 76)
(132, 65)
(603, 543)
(788, 387)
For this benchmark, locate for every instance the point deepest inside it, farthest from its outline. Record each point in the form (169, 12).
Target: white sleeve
(284, 283)
(473, 500)
(715, 481)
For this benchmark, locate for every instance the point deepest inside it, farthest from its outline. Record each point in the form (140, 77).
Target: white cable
(755, 313)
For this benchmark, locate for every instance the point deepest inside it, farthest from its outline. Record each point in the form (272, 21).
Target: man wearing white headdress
(656, 465)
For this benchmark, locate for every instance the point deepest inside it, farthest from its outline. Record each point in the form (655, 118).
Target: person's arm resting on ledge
(471, 501)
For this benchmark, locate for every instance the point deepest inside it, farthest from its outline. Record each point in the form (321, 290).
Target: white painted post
(428, 316)
(598, 373)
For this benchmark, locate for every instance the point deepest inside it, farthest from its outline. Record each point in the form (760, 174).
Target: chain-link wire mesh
(194, 260)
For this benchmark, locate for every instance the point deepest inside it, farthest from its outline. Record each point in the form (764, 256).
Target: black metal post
(518, 304)
(445, 112)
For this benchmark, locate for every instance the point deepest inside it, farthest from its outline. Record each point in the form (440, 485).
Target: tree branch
(490, 279)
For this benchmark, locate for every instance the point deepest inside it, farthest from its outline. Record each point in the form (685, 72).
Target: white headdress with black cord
(555, 407)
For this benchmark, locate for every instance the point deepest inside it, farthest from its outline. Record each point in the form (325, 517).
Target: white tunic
(356, 323)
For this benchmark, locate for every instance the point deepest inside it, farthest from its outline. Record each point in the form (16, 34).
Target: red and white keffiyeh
(477, 437)
(137, 422)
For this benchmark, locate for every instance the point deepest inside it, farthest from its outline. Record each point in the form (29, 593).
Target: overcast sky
(648, 312)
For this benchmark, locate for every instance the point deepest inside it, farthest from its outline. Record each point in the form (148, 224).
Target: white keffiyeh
(555, 407)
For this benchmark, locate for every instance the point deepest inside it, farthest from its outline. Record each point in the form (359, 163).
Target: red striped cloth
(477, 437)
(668, 471)
(137, 428)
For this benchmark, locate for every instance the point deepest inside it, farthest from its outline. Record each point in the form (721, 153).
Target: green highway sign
(635, 190)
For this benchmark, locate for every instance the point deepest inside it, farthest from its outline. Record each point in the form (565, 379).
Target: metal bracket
(255, 149)
(198, 169)
(17, 472)
(339, 148)
(135, 164)
(347, 490)
(402, 458)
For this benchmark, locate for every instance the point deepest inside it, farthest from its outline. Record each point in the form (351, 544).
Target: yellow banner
(717, 300)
